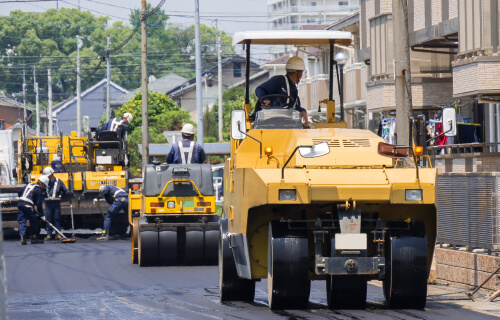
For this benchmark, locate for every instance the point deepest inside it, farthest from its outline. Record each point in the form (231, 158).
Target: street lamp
(341, 58)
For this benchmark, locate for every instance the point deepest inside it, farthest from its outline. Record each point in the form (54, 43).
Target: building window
(311, 4)
(237, 69)
(343, 3)
(2, 125)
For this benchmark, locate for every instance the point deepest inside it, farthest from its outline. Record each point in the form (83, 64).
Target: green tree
(163, 115)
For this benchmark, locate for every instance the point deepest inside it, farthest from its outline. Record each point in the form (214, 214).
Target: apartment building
(292, 14)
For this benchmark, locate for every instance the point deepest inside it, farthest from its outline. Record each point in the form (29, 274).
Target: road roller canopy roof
(293, 37)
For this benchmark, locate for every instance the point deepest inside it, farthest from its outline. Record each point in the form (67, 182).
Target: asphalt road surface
(93, 280)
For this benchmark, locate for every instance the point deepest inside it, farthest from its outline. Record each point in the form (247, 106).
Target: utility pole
(3, 279)
(402, 70)
(37, 110)
(50, 102)
(199, 97)
(25, 122)
(78, 90)
(219, 59)
(144, 86)
(108, 73)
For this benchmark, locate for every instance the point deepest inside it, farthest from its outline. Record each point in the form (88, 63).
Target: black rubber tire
(167, 248)
(211, 247)
(148, 248)
(346, 292)
(405, 283)
(287, 264)
(193, 254)
(134, 239)
(231, 287)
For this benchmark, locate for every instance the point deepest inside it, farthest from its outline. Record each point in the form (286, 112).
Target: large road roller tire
(193, 253)
(211, 247)
(231, 287)
(287, 264)
(134, 239)
(346, 292)
(405, 284)
(167, 242)
(148, 248)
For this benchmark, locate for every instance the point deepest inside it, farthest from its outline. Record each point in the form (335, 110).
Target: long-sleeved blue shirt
(121, 129)
(277, 85)
(55, 189)
(35, 196)
(174, 156)
(109, 193)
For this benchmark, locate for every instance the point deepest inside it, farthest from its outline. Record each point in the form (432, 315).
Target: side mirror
(449, 121)
(314, 151)
(238, 124)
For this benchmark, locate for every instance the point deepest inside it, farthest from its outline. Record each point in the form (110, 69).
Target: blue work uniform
(279, 85)
(117, 125)
(30, 197)
(56, 165)
(186, 151)
(117, 198)
(55, 189)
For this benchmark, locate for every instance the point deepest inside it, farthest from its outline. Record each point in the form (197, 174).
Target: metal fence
(468, 209)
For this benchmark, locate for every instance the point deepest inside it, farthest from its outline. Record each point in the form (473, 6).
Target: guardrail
(476, 147)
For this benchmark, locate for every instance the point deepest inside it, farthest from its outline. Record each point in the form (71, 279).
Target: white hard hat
(128, 117)
(101, 188)
(188, 128)
(295, 64)
(48, 171)
(43, 179)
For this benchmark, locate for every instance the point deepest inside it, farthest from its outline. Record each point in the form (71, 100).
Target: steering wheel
(280, 100)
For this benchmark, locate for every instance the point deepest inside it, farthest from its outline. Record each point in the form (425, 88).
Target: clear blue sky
(232, 15)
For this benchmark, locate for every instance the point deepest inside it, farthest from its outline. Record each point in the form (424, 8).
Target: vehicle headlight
(413, 194)
(171, 204)
(287, 194)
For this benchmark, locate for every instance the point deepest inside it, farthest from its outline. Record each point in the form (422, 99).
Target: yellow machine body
(353, 172)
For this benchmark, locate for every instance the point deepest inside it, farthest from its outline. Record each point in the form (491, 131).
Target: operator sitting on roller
(186, 151)
(118, 125)
(118, 199)
(29, 198)
(55, 189)
(283, 85)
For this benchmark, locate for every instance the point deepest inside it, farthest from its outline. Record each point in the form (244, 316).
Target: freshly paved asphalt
(92, 280)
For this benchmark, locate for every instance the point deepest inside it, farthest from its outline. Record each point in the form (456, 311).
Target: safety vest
(117, 192)
(189, 150)
(28, 193)
(115, 124)
(53, 196)
(288, 93)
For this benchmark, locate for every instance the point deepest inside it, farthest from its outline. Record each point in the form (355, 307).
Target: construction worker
(186, 151)
(118, 125)
(55, 189)
(118, 199)
(283, 85)
(30, 207)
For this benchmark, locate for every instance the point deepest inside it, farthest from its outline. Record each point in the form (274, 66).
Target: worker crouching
(118, 199)
(30, 206)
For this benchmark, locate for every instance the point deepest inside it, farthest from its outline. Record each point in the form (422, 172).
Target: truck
(173, 216)
(322, 203)
(88, 162)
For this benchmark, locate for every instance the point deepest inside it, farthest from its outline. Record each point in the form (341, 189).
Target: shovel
(65, 239)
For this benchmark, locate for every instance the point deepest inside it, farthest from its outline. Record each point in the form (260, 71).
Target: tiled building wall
(470, 75)
(419, 16)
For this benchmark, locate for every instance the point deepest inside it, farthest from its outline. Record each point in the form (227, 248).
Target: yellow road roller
(321, 203)
(173, 217)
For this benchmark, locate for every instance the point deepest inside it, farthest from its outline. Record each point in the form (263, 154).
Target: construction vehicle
(87, 162)
(321, 203)
(173, 217)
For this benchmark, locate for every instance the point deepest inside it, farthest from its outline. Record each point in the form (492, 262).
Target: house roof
(165, 83)
(14, 103)
(63, 105)
(256, 76)
(337, 25)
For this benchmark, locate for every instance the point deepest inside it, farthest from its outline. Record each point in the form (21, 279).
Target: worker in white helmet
(29, 207)
(283, 85)
(186, 151)
(55, 190)
(118, 125)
